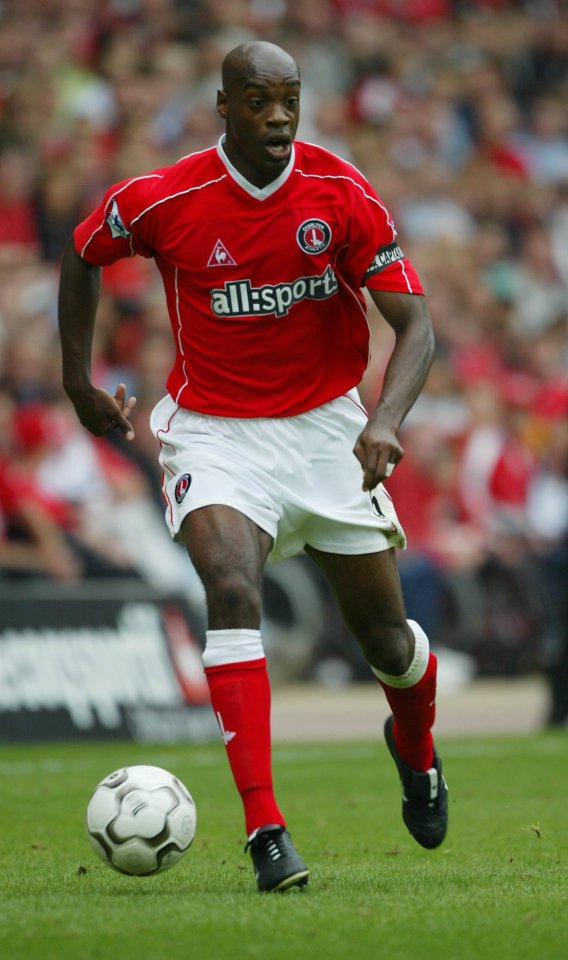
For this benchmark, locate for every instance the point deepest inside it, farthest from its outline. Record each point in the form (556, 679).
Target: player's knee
(388, 648)
(232, 599)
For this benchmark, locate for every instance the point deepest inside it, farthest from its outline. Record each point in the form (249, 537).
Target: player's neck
(260, 193)
(257, 178)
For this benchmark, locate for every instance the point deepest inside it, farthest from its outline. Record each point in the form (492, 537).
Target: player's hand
(378, 451)
(100, 412)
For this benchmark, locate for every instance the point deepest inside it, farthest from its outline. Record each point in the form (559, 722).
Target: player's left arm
(378, 445)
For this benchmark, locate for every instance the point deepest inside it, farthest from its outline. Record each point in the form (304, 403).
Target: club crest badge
(182, 486)
(314, 236)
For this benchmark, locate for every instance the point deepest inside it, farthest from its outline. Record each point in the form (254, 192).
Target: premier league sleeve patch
(384, 257)
(116, 223)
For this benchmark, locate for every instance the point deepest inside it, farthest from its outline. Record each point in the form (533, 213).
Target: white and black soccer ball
(141, 820)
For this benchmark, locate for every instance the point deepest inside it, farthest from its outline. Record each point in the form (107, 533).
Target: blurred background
(457, 112)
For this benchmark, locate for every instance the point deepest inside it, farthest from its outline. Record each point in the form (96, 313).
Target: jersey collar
(259, 193)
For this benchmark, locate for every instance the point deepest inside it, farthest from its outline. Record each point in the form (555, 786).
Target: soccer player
(264, 246)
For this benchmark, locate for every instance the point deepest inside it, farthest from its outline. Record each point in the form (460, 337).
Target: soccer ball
(141, 820)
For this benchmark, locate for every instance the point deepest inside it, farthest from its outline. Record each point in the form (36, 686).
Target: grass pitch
(497, 888)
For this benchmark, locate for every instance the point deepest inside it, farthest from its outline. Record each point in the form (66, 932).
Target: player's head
(260, 103)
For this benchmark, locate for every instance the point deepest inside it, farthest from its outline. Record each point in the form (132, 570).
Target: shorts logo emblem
(376, 507)
(182, 486)
(382, 516)
(314, 236)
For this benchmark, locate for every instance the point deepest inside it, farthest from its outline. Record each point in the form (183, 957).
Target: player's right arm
(79, 290)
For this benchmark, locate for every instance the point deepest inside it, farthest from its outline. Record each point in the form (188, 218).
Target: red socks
(239, 686)
(412, 699)
(414, 710)
(240, 696)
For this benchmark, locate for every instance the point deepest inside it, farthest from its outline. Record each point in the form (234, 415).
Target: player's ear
(222, 105)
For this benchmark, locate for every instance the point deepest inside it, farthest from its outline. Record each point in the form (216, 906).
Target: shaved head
(260, 104)
(248, 59)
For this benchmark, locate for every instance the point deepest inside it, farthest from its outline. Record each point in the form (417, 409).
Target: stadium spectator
(19, 234)
(32, 538)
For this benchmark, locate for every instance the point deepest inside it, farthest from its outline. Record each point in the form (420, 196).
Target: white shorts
(297, 477)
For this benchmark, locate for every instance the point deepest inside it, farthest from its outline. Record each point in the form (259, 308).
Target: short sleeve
(112, 231)
(373, 256)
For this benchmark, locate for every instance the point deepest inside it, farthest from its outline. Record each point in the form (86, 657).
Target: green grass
(497, 888)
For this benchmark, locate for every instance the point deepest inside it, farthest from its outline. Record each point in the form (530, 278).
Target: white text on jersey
(238, 298)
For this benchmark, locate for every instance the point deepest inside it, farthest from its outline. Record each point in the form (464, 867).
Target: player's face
(261, 114)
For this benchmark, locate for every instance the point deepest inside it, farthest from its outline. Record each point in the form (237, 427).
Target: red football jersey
(263, 286)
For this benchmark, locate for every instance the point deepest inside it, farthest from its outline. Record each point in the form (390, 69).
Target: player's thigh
(367, 588)
(224, 544)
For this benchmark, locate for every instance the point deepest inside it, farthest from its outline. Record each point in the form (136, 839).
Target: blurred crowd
(457, 112)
